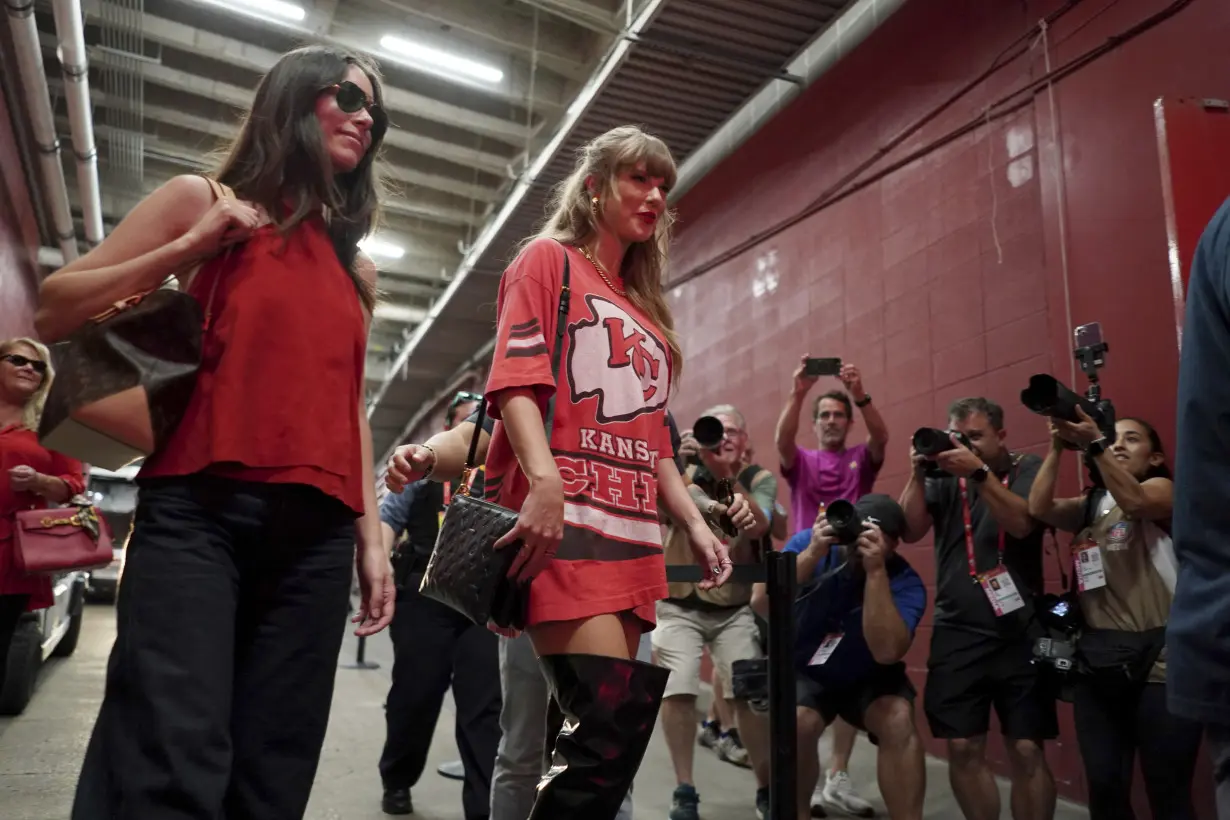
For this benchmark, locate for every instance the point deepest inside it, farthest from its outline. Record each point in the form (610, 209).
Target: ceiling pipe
(845, 34)
(37, 107)
(70, 28)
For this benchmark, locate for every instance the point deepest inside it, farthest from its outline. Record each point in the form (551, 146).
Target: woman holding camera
(1124, 569)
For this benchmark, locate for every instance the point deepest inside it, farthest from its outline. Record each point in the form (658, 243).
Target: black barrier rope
(778, 575)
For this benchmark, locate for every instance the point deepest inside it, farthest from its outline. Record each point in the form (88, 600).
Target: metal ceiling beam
(261, 60)
(559, 50)
(579, 12)
(226, 131)
(394, 283)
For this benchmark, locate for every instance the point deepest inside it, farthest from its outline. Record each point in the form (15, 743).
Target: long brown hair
(279, 159)
(573, 218)
(32, 413)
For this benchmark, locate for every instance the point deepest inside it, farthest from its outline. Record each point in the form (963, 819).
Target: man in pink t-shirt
(817, 478)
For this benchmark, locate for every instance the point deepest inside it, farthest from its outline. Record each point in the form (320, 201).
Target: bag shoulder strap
(561, 326)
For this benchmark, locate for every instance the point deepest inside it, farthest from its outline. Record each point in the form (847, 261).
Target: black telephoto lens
(929, 441)
(1047, 396)
(708, 432)
(845, 522)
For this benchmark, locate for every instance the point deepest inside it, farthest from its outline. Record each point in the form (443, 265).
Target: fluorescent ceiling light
(378, 247)
(277, 9)
(439, 61)
(406, 314)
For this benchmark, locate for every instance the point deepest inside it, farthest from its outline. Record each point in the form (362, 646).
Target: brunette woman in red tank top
(604, 465)
(253, 516)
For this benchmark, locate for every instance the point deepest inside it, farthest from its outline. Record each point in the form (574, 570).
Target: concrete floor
(41, 750)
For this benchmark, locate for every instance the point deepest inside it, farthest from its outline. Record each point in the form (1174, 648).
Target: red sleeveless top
(277, 396)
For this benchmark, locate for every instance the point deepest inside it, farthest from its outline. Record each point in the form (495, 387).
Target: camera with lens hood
(929, 442)
(1047, 396)
(709, 433)
(844, 520)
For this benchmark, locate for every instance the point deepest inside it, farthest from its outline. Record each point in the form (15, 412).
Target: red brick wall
(18, 236)
(946, 278)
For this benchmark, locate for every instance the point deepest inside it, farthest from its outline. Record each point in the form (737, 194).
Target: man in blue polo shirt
(1197, 641)
(855, 617)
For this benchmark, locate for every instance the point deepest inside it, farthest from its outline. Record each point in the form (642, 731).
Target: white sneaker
(732, 751)
(839, 794)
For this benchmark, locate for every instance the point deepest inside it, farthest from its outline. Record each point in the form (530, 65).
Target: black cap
(884, 511)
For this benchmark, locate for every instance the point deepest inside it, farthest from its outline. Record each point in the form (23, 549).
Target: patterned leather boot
(610, 706)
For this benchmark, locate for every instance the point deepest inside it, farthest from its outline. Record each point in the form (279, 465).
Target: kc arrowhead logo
(615, 358)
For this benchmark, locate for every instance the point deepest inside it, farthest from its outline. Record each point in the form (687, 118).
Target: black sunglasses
(17, 360)
(350, 99)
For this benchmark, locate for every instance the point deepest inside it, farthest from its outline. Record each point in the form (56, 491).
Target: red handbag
(48, 542)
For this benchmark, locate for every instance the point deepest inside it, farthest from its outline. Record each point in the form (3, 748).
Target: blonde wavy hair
(573, 218)
(33, 411)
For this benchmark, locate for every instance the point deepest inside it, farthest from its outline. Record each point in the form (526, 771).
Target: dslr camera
(709, 433)
(1061, 616)
(844, 520)
(1047, 396)
(929, 442)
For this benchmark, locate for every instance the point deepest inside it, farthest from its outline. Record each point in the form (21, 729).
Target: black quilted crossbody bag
(466, 572)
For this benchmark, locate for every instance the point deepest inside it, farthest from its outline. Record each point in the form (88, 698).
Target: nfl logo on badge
(1119, 533)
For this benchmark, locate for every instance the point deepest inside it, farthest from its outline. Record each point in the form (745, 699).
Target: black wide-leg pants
(231, 612)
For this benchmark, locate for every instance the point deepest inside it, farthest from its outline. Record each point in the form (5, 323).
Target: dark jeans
(11, 609)
(1115, 719)
(433, 648)
(229, 623)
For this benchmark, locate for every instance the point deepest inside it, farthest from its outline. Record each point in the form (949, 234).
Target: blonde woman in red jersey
(607, 462)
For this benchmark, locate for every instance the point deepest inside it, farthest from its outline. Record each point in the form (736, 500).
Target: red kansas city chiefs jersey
(609, 432)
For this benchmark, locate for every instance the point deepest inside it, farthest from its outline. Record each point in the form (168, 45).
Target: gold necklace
(601, 271)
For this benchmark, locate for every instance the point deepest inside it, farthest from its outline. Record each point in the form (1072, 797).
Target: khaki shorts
(682, 635)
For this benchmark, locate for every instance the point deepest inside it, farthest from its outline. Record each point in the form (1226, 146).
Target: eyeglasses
(350, 99)
(17, 360)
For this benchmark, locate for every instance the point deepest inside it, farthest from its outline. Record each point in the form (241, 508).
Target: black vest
(424, 523)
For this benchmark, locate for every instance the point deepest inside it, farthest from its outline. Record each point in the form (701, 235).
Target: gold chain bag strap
(466, 572)
(124, 379)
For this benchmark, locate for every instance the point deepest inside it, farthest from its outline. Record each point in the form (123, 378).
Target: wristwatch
(980, 475)
(864, 401)
(1096, 447)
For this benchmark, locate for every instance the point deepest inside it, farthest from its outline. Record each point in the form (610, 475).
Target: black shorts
(850, 702)
(969, 673)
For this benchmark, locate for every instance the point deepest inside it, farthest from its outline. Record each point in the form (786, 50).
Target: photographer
(1125, 572)
(855, 623)
(982, 642)
(819, 477)
(692, 618)
(435, 648)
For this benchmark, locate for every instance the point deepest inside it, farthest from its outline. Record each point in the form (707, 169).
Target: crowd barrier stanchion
(777, 573)
(360, 657)
(783, 730)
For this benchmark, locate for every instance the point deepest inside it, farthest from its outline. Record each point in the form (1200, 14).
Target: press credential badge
(1090, 571)
(1001, 591)
(827, 646)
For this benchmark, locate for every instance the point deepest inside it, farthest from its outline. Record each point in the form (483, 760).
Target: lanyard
(969, 528)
